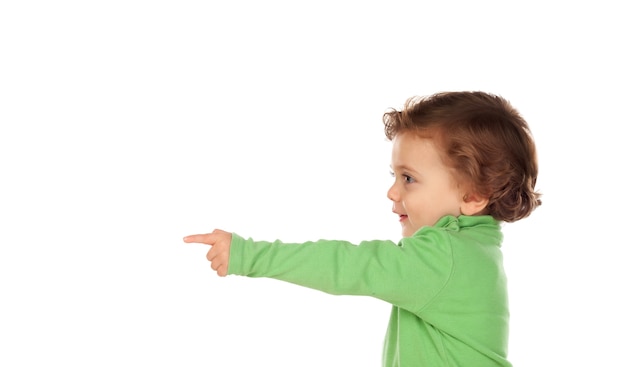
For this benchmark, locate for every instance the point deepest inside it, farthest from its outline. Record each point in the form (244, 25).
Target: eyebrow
(405, 168)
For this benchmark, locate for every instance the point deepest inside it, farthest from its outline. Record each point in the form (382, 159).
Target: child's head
(482, 140)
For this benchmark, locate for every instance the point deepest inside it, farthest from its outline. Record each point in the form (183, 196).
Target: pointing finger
(208, 238)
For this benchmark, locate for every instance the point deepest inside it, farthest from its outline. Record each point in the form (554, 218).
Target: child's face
(424, 189)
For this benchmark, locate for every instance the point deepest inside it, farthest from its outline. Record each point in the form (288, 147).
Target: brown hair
(484, 140)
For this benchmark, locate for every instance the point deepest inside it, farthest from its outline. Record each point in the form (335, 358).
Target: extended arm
(409, 274)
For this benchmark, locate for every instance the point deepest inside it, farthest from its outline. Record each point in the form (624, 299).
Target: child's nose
(393, 194)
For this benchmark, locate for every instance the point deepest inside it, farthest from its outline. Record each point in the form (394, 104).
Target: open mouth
(403, 217)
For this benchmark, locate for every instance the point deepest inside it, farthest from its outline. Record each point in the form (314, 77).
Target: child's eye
(392, 174)
(408, 179)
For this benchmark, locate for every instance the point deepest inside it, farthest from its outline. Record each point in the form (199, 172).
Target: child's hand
(219, 253)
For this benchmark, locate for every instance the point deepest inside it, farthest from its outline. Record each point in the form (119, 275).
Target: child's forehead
(410, 141)
(410, 150)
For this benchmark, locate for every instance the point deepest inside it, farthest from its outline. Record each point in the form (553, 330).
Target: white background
(126, 125)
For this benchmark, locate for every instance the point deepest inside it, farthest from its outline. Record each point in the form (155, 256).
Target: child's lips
(402, 216)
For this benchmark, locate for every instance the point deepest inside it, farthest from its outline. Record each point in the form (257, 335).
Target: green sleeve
(408, 274)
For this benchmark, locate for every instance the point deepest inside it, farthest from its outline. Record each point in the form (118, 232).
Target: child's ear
(473, 204)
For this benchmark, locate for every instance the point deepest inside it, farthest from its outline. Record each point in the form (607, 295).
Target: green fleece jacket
(446, 284)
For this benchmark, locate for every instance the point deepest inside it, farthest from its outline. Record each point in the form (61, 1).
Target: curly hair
(485, 141)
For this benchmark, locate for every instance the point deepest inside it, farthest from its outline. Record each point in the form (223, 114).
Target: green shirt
(446, 284)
